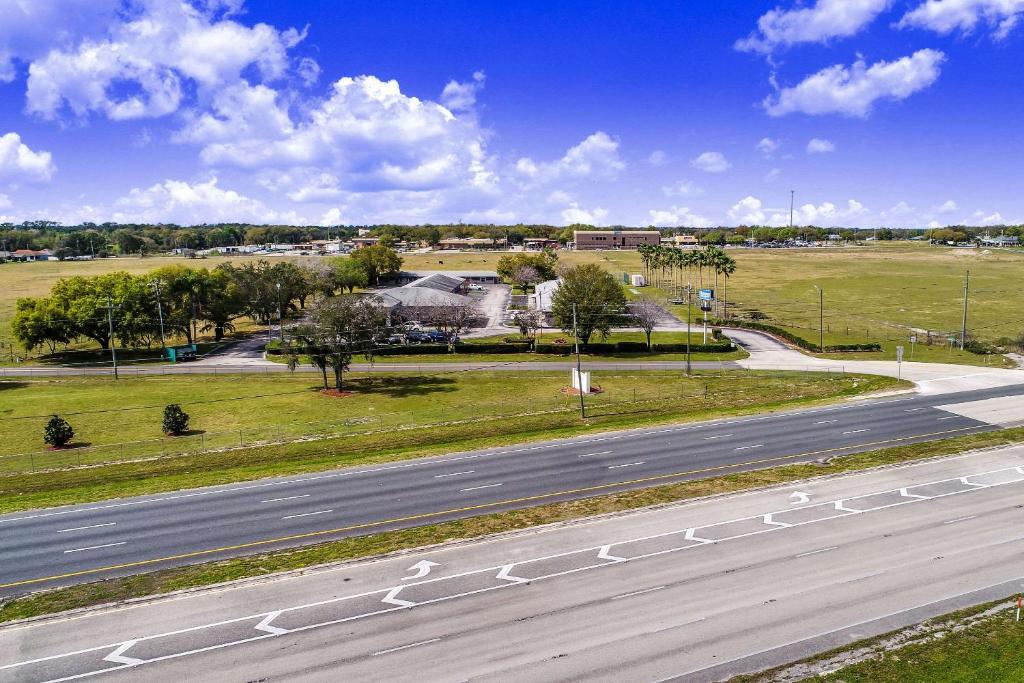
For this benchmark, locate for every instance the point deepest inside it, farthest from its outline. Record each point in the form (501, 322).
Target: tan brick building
(614, 239)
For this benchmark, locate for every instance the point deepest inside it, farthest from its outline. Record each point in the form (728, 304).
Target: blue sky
(684, 113)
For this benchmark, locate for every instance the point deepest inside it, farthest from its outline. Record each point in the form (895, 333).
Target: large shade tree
(599, 302)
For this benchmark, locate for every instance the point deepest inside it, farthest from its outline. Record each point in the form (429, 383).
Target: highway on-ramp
(45, 548)
(689, 592)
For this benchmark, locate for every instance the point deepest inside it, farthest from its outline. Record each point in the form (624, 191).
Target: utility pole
(963, 328)
(160, 313)
(110, 326)
(792, 198)
(579, 365)
(821, 319)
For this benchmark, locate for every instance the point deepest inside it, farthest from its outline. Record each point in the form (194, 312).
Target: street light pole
(280, 317)
(792, 198)
(821, 319)
(963, 328)
(689, 308)
(160, 313)
(110, 326)
(579, 364)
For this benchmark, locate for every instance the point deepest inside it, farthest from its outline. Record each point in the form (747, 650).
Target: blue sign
(706, 294)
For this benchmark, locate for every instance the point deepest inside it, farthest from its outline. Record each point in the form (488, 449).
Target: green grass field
(384, 419)
(872, 293)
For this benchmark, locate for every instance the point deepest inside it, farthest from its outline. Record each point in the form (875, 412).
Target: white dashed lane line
(719, 436)
(646, 590)
(591, 455)
(83, 528)
(856, 431)
(815, 552)
(628, 464)
(747, 448)
(308, 514)
(94, 547)
(477, 488)
(453, 474)
(278, 500)
(404, 647)
(959, 519)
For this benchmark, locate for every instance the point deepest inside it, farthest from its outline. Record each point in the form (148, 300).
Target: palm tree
(728, 268)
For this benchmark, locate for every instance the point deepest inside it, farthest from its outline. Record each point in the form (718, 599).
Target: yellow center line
(482, 506)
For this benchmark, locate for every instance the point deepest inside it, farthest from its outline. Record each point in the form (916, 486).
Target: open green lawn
(386, 418)
(876, 292)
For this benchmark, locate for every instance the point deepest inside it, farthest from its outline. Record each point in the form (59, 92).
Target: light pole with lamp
(280, 317)
(821, 319)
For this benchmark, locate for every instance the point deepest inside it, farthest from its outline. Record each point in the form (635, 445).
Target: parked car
(412, 325)
(437, 337)
(476, 288)
(417, 337)
(396, 339)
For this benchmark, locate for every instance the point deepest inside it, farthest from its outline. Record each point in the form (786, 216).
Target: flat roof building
(614, 239)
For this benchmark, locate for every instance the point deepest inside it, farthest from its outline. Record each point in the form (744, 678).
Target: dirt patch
(570, 391)
(335, 393)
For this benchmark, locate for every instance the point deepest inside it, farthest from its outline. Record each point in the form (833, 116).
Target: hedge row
(800, 341)
(274, 348)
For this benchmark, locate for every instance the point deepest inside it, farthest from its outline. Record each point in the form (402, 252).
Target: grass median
(509, 411)
(154, 583)
(981, 643)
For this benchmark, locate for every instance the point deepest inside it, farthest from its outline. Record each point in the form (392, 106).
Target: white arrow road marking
(116, 657)
(504, 574)
(768, 520)
(906, 494)
(690, 537)
(392, 600)
(842, 508)
(971, 483)
(603, 554)
(422, 568)
(266, 627)
(799, 498)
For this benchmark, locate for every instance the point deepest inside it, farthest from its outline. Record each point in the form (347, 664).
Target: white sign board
(899, 354)
(581, 381)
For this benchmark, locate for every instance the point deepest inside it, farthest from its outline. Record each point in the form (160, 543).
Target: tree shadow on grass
(12, 384)
(401, 387)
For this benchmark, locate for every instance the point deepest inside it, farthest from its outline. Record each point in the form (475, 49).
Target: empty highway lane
(87, 542)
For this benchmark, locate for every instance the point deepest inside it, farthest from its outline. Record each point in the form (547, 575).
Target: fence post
(240, 443)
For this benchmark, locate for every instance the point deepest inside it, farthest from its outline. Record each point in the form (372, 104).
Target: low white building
(544, 293)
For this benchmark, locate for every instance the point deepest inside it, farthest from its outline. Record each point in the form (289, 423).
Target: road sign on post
(913, 340)
(706, 294)
(899, 362)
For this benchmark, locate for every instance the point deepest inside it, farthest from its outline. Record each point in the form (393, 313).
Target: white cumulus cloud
(20, 163)
(824, 20)
(684, 188)
(677, 216)
(948, 206)
(183, 202)
(147, 60)
(658, 158)
(595, 156)
(462, 96)
(820, 146)
(768, 146)
(946, 16)
(574, 213)
(747, 211)
(853, 91)
(711, 162)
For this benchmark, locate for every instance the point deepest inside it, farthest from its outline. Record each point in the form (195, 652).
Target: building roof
(425, 297)
(464, 274)
(439, 281)
(617, 231)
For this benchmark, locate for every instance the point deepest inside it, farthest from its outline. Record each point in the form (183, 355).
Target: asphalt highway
(692, 592)
(45, 548)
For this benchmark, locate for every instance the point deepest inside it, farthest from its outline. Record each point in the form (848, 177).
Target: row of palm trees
(671, 267)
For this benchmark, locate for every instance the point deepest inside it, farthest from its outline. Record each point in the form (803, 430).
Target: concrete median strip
(136, 651)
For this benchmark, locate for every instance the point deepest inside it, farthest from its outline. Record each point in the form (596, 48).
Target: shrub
(58, 432)
(175, 420)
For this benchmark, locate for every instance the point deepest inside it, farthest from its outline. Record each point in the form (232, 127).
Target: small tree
(58, 432)
(175, 420)
(524, 276)
(598, 298)
(645, 314)
(529, 322)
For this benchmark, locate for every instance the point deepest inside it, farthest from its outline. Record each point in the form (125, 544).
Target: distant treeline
(109, 239)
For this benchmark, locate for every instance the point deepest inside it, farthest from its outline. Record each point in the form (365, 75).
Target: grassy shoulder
(982, 643)
(663, 397)
(154, 583)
